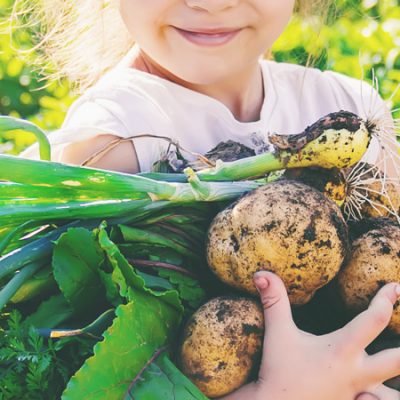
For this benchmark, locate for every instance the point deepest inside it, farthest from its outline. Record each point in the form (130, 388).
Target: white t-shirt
(127, 102)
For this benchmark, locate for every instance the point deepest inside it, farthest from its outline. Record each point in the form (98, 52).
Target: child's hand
(300, 366)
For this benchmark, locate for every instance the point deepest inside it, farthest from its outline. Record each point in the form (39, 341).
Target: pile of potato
(298, 232)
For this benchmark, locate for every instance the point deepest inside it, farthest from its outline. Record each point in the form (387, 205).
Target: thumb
(275, 301)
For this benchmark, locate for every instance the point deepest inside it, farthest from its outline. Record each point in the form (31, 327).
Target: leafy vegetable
(51, 313)
(125, 276)
(188, 288)
(32, 367)
(141, 326)
(161, 379)
(76, 261)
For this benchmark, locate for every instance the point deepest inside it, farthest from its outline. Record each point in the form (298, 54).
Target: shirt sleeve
(364, 100)
(90, 117)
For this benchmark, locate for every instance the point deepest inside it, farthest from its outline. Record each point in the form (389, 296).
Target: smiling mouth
(211, 38)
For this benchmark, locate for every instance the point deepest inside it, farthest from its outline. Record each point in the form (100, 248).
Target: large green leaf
(51, 313)
(126, 277)
(162, 380)
(141, 327)
(76, 261)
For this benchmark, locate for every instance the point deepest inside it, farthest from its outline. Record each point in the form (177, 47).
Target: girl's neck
(242, 94)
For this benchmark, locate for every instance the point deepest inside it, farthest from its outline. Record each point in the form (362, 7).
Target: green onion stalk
(17, 281)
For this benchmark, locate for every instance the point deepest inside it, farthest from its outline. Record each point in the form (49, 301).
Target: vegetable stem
(159, 264)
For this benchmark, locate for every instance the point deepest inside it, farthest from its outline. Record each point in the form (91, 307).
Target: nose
(212, 6)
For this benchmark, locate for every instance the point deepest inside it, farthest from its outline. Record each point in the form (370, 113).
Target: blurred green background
(359, 36)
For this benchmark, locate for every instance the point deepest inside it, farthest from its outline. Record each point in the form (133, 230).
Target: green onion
(18, 280)
(43, 173)
(14, 232)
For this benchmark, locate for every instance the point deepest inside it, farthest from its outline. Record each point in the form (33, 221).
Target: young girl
(194, 73)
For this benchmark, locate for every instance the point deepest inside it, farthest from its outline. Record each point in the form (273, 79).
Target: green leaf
(51, 313)
(188, 288)
(76, 260)
(155, 282)
(127, 277)
(111, 287)
(161, 379)
(141, 327)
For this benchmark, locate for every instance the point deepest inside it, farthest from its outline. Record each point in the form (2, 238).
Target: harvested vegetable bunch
(38, 192)
(222, 344)
(285, 227)
(48, 208)
(374, 261)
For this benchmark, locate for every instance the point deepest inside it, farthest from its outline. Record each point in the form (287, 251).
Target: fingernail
(397, 290)
(261, 282)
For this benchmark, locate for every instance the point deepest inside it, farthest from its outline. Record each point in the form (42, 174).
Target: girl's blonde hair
(82, 39)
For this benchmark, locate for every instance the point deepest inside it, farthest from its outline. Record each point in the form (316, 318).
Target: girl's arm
(300, 366)
(121, 158)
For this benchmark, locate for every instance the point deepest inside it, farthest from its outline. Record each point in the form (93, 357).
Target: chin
(202, 75)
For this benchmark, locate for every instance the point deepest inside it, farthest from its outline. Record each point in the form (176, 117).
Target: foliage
(160, 379)
(361, 36)
(92, 276)
(32, 367)
(141, 326)
(23, 93)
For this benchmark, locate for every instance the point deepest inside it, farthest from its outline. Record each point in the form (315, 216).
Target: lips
(208, 37)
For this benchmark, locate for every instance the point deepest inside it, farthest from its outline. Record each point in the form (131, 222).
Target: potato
(222, 344)
(331, 182)
(286, 227)
(375, 261)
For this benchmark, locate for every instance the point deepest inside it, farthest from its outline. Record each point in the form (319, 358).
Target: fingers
(275, 301)
(364, 328)
(383, 365)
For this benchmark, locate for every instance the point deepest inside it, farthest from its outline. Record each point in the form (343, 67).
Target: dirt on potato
(375, 261)
(222, 344)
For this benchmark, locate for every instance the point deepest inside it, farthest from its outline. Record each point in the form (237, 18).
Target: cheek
(274, 16)
(276, 11)
(137, 17)
(127, 12)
